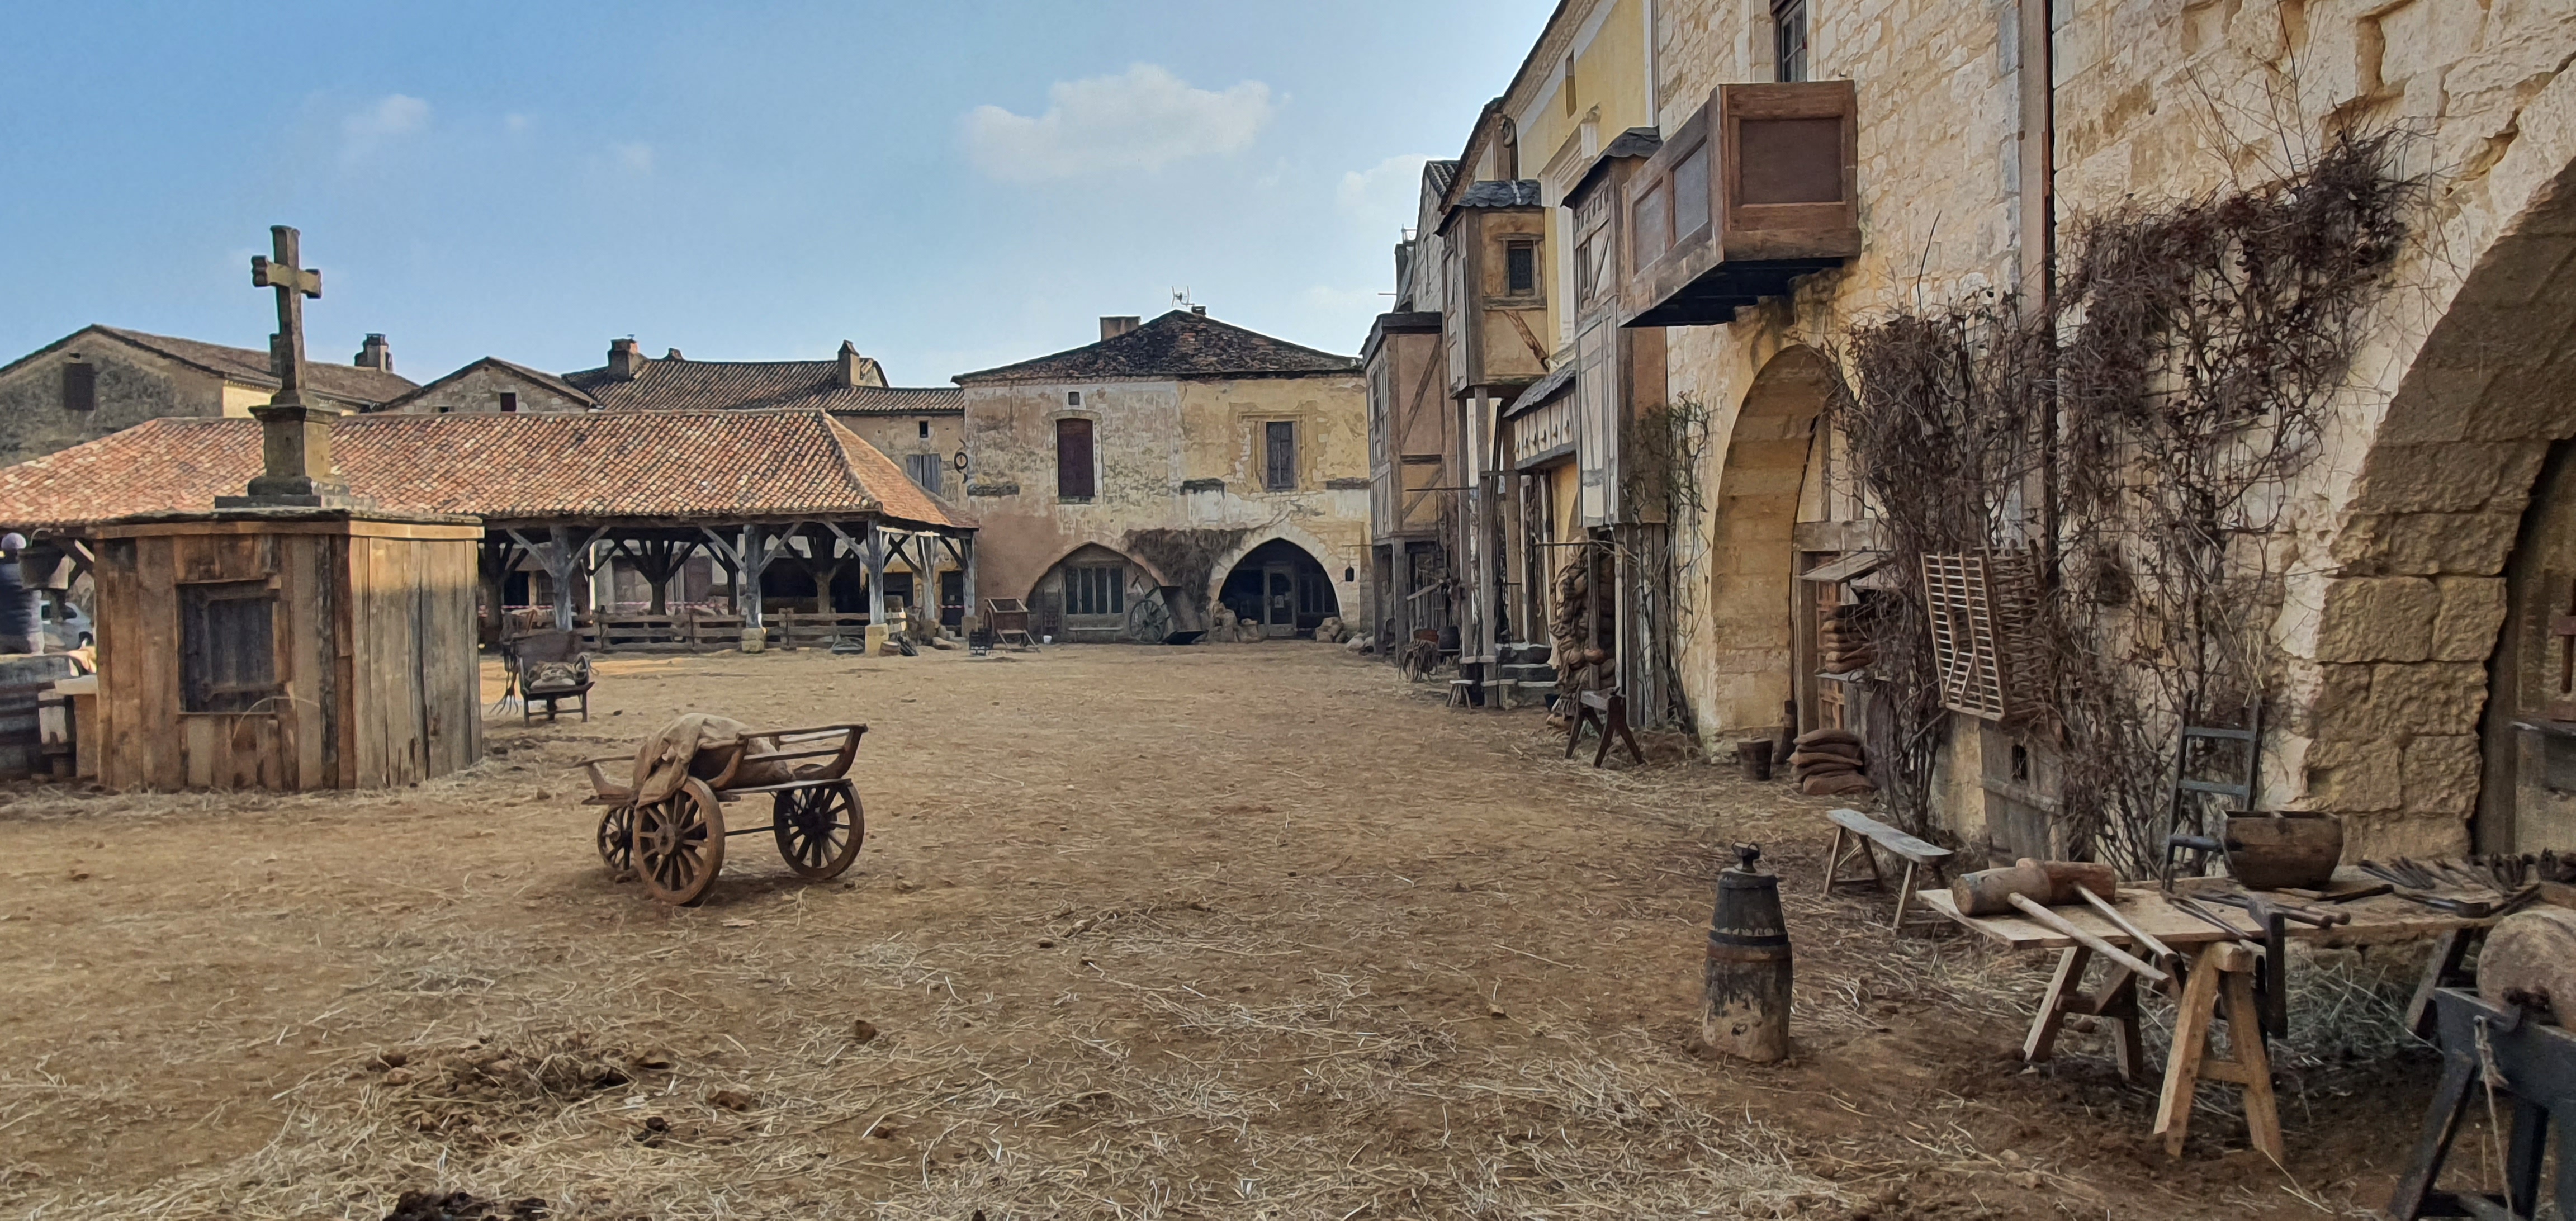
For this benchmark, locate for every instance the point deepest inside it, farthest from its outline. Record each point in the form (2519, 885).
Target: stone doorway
(1282, 588)
(2528, 795)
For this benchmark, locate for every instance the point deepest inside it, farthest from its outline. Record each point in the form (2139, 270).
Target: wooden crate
(1983, 607)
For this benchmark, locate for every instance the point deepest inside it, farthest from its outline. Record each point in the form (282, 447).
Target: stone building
(99, 379)
(1127, 487)
(1849, 167)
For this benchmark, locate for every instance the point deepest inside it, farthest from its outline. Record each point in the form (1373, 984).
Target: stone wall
(134, 385)
(479, 389)
(901, 436)
(2397, 537)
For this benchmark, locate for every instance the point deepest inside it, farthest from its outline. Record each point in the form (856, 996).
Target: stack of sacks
(1844, 641)
(1830, 763)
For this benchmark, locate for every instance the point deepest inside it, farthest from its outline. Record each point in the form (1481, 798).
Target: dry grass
(1329, 953)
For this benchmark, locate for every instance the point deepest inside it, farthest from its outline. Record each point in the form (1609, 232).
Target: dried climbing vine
(2140, 432)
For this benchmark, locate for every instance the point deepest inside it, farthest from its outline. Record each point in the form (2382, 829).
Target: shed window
(1096, 590)
(1520, 267)
(80, 387)
(1073, 472)
(1279, 455)
(1789, 40)
(509, 400)
(227, 645)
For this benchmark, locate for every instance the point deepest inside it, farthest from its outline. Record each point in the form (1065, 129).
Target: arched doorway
(1281, 587)
(1094, 596)
(1753, 551)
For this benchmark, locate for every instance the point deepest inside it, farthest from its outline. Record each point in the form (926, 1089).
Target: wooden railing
(706, 631)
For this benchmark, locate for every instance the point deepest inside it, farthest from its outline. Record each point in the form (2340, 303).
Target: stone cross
(294, 432)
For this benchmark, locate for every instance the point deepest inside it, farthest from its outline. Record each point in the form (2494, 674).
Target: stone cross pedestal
(295, 432)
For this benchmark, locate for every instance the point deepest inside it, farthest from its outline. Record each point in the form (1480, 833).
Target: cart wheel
(617, 842)
(819, 829)
(680, 842)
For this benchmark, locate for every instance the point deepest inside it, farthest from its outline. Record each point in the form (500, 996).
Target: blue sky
(952, 186)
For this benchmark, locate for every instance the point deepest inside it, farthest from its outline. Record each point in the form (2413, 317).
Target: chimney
(673, 354)
(625, 360)
(1114, 325)
(373, 354)
(857, 370)
(1199, 310)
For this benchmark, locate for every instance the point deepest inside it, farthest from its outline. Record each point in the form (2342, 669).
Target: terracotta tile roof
(706, 466)
(704, 385)
(539, 377)
(350, 383)
(1178, 344)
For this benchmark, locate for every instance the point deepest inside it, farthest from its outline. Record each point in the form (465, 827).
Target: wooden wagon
(676, 846)
(1008, 620)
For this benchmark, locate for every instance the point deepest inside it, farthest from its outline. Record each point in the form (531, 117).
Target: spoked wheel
(680, 843)
(617, 842)
(819, 829)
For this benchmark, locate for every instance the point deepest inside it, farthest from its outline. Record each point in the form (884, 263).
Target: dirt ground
(1237, 931)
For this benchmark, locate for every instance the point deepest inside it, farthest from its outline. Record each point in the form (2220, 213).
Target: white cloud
(1392, 186)
(392, 116)
(1144, 119)
(634, 155)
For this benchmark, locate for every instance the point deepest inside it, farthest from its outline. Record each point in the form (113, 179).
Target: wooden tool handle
(2146, 941)
(2136, 965)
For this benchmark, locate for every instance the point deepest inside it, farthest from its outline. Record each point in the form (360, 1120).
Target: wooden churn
(1746, 1010)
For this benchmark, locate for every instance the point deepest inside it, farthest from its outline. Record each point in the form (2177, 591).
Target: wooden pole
(754, 559)
(876, 544)
(2031, 908)
(563, 563)
(966, 556)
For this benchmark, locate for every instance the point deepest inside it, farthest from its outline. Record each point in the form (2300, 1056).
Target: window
(1279, 455)
(227, 646)
(1565, 83)
(922, 429)
(1789, 40)
(509, 400)
(1073, 471)
(1096, 590)
(80, 387)
(1073, 398)
(1520, 267)
(925, 470)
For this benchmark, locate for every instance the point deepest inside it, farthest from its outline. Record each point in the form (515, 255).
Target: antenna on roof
(1181, 297)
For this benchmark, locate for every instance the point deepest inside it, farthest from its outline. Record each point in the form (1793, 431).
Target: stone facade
(133, 377)
(493, 385)
(1181, 488)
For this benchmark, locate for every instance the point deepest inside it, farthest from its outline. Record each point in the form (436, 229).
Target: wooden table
(2217, 986)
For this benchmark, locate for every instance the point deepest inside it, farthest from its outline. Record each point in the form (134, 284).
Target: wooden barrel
(1745, 1012)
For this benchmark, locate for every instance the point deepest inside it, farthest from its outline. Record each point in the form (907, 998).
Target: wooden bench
(1854, 832)
(1609, 711)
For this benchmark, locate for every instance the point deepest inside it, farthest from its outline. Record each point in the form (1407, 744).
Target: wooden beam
(876, 574)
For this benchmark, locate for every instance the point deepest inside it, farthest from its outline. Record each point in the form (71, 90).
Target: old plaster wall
(1170, 456)
(134, 385)
(901, 436)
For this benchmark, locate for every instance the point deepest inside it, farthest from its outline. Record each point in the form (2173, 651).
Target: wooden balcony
(1757, 189)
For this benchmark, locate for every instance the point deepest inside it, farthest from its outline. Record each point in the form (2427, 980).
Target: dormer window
(509, 400)
(80, 387)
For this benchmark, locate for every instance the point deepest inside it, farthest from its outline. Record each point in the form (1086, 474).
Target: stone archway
(1278, 584)
(2406, 617)
(1752, 542)
(1334, 561)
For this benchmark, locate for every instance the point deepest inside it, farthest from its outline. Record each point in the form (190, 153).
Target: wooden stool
(1458, 691)
(1609, 711)
(1859, 831)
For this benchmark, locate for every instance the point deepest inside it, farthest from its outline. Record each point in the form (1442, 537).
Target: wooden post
(563, 563)
(752, 548)
(876, 546)
(966, 559)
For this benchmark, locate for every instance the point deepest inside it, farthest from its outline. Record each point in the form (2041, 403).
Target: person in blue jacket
(21, 630)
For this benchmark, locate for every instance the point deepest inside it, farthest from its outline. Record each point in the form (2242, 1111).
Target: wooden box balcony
(1758, 188)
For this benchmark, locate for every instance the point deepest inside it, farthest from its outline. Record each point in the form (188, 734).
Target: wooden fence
(703, 631)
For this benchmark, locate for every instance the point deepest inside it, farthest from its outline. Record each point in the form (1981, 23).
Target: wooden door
(1279, 601)
(2527, 798)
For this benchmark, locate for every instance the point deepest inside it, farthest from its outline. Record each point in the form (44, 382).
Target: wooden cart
(677, 846)
(1008, 620)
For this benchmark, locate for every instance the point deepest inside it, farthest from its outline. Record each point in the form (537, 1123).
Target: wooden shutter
(80, 387)
(1073, 460)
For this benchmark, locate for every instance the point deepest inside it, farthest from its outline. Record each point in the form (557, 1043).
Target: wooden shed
(286, 648)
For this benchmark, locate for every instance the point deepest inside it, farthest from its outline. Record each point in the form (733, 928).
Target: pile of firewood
(1843, 640)
(1830, 763)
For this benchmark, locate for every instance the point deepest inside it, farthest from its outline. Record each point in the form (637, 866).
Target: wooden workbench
(2215, 987)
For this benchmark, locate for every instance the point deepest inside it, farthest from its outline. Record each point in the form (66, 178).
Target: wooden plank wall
(376, 659)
